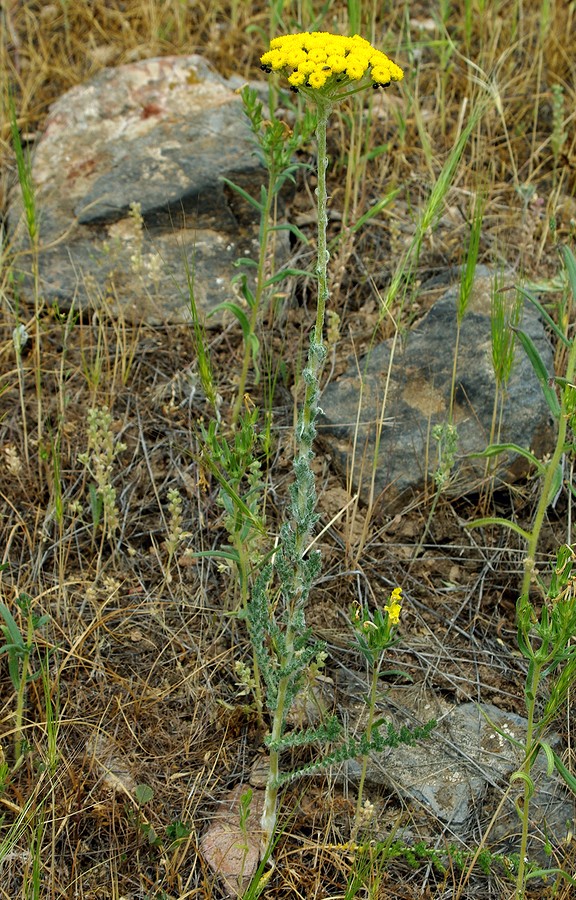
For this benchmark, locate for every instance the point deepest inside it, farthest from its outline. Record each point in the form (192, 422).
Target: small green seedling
(19, 649)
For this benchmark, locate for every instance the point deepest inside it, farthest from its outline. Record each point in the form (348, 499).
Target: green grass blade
(570, 263)
(540, 371)
(545, 316)
(375, 210)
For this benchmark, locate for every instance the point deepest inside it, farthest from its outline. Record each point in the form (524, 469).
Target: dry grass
(139, 660)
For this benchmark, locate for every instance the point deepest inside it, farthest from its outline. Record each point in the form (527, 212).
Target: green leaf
(545, 316)
(495, 449)
(14, 670)
(11, 626)
(556, 484)
(279, 276)
(178, 830)
(288, 226)
(248, 197)
(254, 344)
(523, 776)
(549, 757)
(246, 292)
(540, 371)
(232, 555)
(237, 312)
(376, 152)
(525, 648)
(24, 602)
(245, 262)
(543, 873)
(497, 520)
(397, 673)
(570, 263)
(143, 793)
(498, 730)
(95, 505)
(237, 500)
(563, 771)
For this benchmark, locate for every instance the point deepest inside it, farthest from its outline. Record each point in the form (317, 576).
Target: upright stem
(243, 570)
(260, 280)
(304, 496)
(295, 536)
(454, 370)
(38, 306)
(18, 342)
(268, 820)
(548, 478)
(533, 690)
(324, 109)
(524, 601)
(21, 693)
(366, 757)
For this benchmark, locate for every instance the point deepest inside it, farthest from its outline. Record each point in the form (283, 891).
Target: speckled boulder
(407, 385)
(159, 134)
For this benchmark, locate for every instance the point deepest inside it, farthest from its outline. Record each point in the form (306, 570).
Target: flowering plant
(375, 634)
(325, 68)
(319, 61)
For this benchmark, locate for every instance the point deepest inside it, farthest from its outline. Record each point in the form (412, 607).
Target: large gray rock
(158, 133)
(418, 397)
(461, 772)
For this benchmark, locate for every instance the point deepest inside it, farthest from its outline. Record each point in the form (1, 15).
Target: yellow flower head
(394, 606)
(320, 61)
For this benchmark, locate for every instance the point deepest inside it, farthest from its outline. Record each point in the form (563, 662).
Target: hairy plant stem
(304, 495)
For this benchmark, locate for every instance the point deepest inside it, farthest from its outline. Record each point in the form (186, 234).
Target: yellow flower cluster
(394, 606)
(320, 60)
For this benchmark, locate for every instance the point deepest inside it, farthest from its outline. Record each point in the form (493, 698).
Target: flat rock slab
(159, 133)
(409, 385)
(459, 774)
